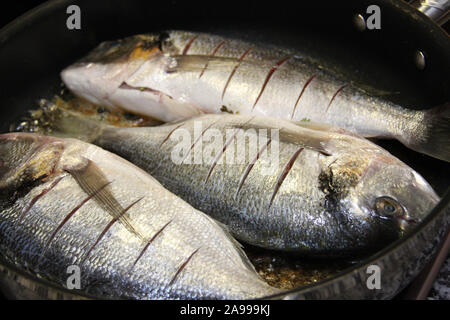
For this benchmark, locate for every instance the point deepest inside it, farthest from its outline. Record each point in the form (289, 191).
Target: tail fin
(75, 118)
(56, 119)
(436, 140)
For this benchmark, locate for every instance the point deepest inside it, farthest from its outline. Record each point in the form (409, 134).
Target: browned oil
(290, 271)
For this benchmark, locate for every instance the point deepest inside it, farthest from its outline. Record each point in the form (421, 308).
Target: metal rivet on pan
(419, 60)
(359, 22)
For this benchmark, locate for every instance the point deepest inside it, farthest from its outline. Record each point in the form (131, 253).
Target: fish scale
(324, 195)
(177, 75)
(192, 257)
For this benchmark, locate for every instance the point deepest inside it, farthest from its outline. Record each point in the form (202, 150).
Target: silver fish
(65, 203)
(314, 189)
(177, 75)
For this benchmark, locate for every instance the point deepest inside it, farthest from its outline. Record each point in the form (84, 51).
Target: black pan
(37, 46)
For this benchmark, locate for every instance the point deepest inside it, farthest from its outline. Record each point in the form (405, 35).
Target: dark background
(16, 8)
(9, 13)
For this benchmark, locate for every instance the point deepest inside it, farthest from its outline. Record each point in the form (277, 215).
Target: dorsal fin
(325, 127)
(292, 134)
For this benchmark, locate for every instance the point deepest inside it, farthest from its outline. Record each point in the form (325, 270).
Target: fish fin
(58, 120)
(325, 127)
(436, 140)
(289, 132)
(370, 90)
(192, 63)
(315, 125)
(93, 182)
(173, 122)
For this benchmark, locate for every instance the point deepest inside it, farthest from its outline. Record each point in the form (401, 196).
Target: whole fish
(176, 75)
(304, 187)
(65, 203)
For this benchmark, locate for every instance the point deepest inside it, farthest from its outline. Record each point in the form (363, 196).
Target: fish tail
(62, 122)
(56, 118)
(436, 140)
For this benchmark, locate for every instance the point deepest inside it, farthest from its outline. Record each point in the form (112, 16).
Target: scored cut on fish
(311, 188)
(64, 202)
(177, 75)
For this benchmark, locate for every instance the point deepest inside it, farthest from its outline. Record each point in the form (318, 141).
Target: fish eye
(388, 207)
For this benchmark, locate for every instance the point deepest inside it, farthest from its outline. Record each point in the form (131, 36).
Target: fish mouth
(96, 80)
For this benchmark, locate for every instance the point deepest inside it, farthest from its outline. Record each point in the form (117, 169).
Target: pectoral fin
(92, 181)
(193, 63)
(324, 127)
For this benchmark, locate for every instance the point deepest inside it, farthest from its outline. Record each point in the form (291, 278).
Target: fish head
(26, 158)
(99, 74)
(388, 199)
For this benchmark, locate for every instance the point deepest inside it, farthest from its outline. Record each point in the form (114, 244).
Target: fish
(313, 189)
(176, 75)
(67, 204)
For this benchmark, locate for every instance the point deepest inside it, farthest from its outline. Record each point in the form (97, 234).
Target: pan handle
(436, 10)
